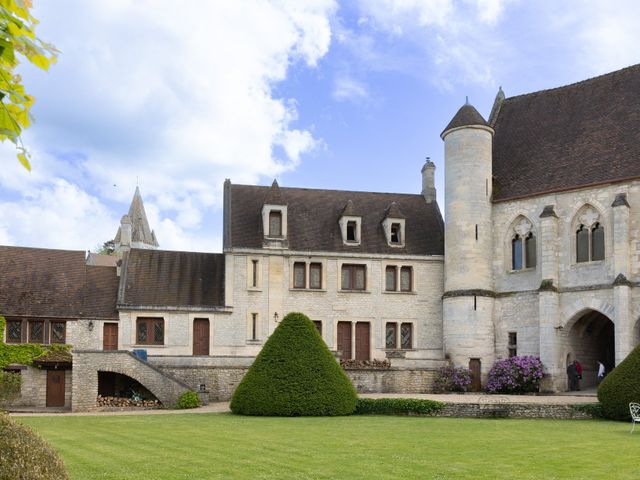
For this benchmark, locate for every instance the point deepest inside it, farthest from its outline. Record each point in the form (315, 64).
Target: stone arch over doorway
(590, 337)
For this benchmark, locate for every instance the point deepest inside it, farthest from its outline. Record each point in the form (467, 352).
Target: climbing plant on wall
(24, 353)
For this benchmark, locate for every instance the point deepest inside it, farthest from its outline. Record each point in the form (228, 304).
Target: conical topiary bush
(295, 374)
(621, 387)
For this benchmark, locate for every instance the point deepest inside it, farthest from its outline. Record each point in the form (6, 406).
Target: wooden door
(344, 340)
(110, 336)
(201, 336)
(362, 340)
(474, 366)
(55, 388)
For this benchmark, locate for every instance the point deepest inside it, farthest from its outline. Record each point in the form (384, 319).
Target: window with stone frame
(352, 231)
(299, 275)
(406, 336)
(406, 282)
(150, 331)
(513, 344)
(254, 273)
(14, 331)
(58, 332)
(523, 245)
(589, 237)
(36, 331)
(390, 274)
(315, 276)
(396, 232)
(254, 326)
(391, 335)
(353, 277)
(275, 223)
(318, 325)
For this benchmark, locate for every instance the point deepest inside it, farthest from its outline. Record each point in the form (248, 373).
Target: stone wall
(87, 364)
(33, 392)
(511, 410)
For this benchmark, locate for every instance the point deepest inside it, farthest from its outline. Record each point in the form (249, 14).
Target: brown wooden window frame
(150, 323)
(317, 266)
(31, 324)
(52, 339)
(22, 332)
(297, 268)
(403, 344)
(404, 270)
(352, 268)
(275, 215)
(394, 286)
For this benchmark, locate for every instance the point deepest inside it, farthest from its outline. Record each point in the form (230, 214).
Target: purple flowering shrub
(452, 379)
(515, 375)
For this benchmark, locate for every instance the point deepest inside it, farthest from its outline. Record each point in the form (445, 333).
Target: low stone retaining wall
(220, 382)
(512, 410)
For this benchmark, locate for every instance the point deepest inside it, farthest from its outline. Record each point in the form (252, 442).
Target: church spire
(134, 228)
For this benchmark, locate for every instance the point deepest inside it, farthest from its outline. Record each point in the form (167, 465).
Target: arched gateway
(591, 338)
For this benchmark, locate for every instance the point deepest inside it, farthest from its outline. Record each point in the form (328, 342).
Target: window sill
(254, 289)
(354, 291)
(395, 245)
(399, 292)
(522, 270)
(137, 345)
(324, 290)
(254, 342)
(590, 263)
(351, 244)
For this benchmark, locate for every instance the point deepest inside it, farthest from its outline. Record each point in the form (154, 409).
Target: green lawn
(207, 446)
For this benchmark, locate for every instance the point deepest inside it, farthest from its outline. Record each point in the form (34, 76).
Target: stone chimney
(125, 232)
(428, 181)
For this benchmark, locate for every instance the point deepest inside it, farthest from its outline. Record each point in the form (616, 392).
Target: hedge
(397, 406)
(188, 399)
(25, 456)
(621, 387)
(295, 374)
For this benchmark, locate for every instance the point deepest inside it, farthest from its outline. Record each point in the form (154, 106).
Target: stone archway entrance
(591, 339)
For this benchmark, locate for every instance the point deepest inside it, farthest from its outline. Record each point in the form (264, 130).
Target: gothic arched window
(589, 237)
(523, 246)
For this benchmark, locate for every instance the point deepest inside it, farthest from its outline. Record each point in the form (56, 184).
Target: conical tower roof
(465, 117)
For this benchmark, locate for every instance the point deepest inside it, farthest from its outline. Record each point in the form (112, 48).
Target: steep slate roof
(54, 283)
(313, 220)
(568, 137)
(467, 115)
(162, 277)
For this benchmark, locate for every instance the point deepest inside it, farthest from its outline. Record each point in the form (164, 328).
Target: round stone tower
(468, 299)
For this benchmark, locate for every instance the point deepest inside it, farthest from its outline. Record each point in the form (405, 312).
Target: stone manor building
(538, 254)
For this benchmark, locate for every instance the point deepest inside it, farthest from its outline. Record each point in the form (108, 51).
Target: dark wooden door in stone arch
(363, 332)
(201, 336)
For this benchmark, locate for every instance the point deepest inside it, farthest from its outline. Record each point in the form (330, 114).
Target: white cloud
(348, 88)
(178, 96)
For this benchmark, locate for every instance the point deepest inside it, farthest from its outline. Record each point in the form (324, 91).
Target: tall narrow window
(353, 277)
(351, 231)
(390, 279)
(530, 251)
(299, 274)
(513, 344)
(315, 275)
(406, 334)
(275, 223)
(254, 326)
(391, 335)
(597, 242)
(318, 325)
(516, 253)
(405, 279)
(395, 233)
(582, 244)
(254, 273)
(36, 332)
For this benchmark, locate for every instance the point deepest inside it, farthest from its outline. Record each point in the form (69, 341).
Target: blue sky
(321, 94)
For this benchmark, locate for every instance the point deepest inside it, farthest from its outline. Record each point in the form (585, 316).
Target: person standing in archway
(601, 371)
(579, 370)
(572, 375)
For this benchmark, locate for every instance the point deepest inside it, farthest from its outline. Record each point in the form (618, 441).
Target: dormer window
(275, 223)
(351, 231)
(395, 233)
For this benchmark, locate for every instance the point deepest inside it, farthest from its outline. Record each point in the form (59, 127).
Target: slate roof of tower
(313, 217)
(140, 230)
(50, 283)
(163, 277)
(568, 137)
(467, 115)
